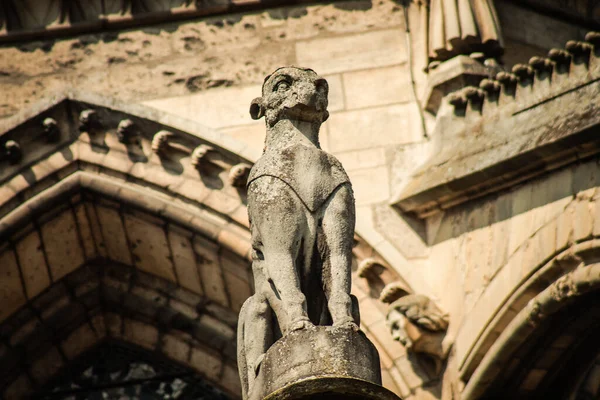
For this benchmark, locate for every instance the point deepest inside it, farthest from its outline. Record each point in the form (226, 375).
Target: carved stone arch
(552, 331)
(377, 284)
(152, 207)
(105, 237)
(105, 301)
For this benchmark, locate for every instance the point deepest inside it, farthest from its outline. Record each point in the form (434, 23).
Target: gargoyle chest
(310, 172)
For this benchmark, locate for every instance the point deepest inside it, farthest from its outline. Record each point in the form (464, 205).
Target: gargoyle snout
(306, 93)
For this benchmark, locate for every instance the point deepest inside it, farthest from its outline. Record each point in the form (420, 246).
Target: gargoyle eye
(281, 86)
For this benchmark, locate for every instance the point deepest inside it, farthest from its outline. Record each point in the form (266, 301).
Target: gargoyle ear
(257, 110)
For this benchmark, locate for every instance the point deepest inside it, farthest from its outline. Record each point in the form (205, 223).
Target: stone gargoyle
(420, 326)
(302, 214)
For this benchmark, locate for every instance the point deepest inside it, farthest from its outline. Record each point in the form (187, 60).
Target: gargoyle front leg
(338, 228)
(277, 223)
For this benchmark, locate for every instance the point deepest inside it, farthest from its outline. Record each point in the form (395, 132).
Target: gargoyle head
(419, 325)
(292, 93)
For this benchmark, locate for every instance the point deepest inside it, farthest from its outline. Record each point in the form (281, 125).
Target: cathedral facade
(470, 133)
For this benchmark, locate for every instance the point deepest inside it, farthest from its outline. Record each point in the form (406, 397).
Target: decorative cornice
(518, 125)
(43, 19)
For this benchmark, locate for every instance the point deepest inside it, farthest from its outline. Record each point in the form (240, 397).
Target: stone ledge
(452, 75)
(320, 362)
(487, 147)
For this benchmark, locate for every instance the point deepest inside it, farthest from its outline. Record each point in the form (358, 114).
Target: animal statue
(302, 215)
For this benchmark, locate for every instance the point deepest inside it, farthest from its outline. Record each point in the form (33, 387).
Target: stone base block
(321, 362)
(332, 388)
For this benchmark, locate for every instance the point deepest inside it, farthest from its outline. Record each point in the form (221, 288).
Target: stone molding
(86, 153)
(584, 279)
(88, 159)
(106, 300)
(463, 27)
(26, 20)
(519, 125)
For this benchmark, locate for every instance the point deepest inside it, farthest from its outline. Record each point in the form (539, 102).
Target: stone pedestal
(321, 363)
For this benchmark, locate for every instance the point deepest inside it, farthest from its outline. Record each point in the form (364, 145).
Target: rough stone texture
(309, 363)
(546, 125)
(150, 248)
(417, 323)
(137, 311)
(472, 258)
(160, 66)
(82, 211)
(332, 389)
(161, 61)
(331, 55)
(11, 289)
(62, 245)
(33, 264)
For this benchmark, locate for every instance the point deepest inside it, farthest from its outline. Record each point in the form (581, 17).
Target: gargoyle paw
(300, 324)
(347, 325)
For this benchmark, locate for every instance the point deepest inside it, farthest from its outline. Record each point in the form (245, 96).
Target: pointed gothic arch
(119, 222)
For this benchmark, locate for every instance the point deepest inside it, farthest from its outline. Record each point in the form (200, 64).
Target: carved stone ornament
(51, 130)
(126, 131)
(238, 175)
(160, 142)
(463, 27)
(300, 201)
(420, 326)
(368, 266)
(392, 292)
(11, 152)
(199, 158)
(89, 121)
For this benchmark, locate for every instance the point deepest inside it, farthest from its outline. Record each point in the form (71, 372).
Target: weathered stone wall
(529, 34)
(209, 70)
(482, 252)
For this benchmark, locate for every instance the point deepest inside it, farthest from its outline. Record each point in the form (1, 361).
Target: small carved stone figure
(238, 175)
(301, 211)
(51, 130)
(126, 131)
(199, 157)
(420, 326)
(11, 151)
(89, 121)
(160, 142)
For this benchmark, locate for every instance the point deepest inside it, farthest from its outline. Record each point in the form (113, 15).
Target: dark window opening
(118, 371)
